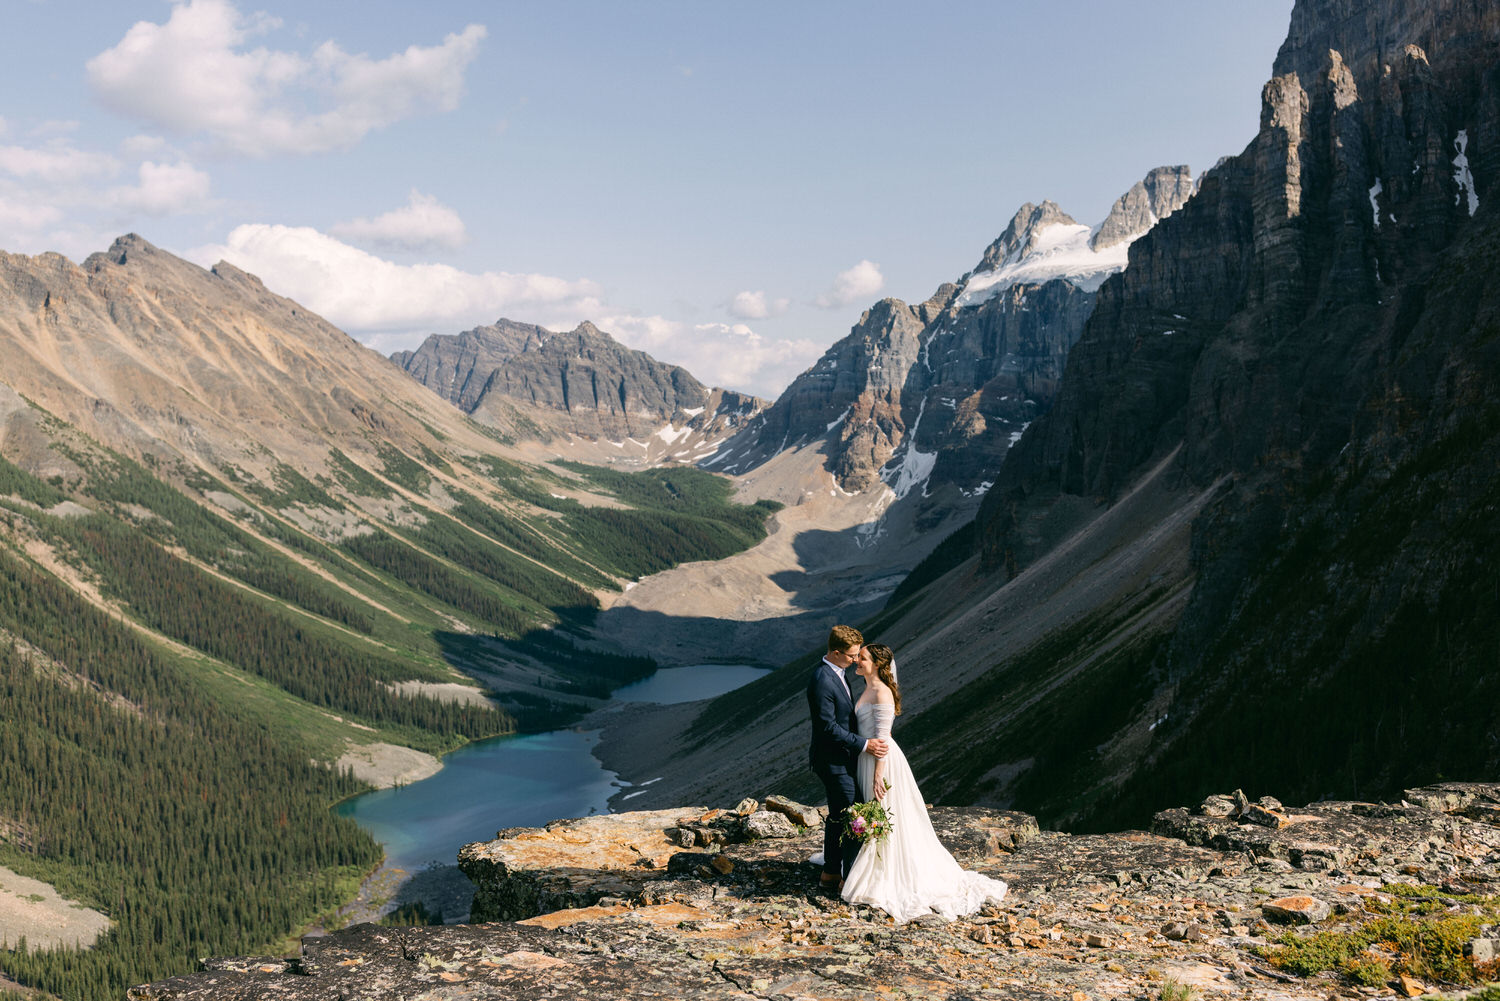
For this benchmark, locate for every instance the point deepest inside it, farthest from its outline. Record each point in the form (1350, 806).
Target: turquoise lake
(520, 781)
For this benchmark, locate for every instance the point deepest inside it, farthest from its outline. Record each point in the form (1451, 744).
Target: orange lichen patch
(922, 987)
(571, 916)
(1295, 903)
(670, 915)
(612, 841)
(523, 960)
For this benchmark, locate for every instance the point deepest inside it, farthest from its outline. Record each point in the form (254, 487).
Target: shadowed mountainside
(1251, 539)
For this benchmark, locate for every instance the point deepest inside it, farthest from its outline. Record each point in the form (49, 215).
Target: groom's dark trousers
(835, 748)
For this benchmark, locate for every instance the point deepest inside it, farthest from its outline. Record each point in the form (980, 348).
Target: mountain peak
(582, 382)
(124, 249)
(1022, 234)
(1151, 199)
(1042, 242)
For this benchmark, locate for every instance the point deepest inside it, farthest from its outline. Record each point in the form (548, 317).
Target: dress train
(910, 873)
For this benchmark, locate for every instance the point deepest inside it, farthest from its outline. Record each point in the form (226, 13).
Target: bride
(910, 873)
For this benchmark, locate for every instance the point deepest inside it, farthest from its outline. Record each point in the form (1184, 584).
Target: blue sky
(724, 185)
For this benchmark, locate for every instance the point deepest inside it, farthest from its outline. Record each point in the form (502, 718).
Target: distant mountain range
(533, 382)
(918, 396)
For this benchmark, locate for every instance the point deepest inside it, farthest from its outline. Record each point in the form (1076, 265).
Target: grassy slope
(242, 619)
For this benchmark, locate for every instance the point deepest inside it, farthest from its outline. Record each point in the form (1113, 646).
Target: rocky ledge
(1235, 897)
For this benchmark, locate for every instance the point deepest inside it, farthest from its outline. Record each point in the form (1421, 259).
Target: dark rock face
(1089, 914)
(935, 393)
(583, 381)
(1313, 337)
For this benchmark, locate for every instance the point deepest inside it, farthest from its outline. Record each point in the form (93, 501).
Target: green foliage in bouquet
(868, 821)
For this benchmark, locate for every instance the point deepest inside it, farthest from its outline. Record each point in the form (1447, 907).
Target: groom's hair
(843, 637)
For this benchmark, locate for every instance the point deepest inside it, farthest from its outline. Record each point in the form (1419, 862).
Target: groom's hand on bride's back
(876, 748)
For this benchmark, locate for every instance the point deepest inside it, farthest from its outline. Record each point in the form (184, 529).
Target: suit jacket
(836, 742)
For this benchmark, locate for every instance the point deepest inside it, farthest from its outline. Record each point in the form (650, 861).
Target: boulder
(1257, 814)
(1217, 805)
(807, 816)
(1296, 910)
(766, 824)
(1410, 987)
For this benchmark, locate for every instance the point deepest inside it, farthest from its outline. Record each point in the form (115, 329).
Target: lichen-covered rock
(765, 824)
(1101, 915)
(1218, 806)
(1354, 837)
(527, 871)
(806, 816)
(1296, 910)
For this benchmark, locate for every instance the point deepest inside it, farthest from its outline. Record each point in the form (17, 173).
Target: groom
(835, 747)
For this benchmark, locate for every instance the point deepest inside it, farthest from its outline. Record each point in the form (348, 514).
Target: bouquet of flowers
(868, 821)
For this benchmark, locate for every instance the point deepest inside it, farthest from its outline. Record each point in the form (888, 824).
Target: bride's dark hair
(883, 658)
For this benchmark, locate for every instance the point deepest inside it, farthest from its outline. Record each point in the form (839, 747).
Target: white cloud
(194, 74)
(755, 306)
(854, 285)
(423, 222)
(391, 306)
(56, 163)
(164, 188)
(142, 145)
(55, 196)
(25, 216)
(719, 354)
(368, 296)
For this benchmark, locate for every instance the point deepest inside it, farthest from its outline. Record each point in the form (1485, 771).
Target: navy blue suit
(836, 745)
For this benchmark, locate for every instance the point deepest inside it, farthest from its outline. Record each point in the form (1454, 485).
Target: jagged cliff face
(1252, 540)
(932, 394)
(1309, 344)
(535, 382)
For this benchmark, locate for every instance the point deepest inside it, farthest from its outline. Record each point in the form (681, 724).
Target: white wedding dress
(910, 873)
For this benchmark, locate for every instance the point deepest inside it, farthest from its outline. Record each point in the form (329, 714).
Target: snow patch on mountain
(915, 466)
(1061, 250)
(1462, 176)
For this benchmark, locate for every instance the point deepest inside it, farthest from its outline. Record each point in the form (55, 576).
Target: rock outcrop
(1198, 902)
(534, 382)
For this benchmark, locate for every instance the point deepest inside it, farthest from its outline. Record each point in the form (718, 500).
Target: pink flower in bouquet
(858, 825)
